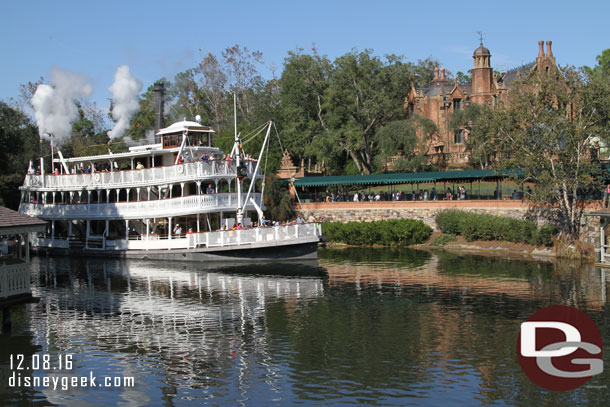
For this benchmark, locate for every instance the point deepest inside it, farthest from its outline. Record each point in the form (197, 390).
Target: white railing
(138, 209)
(257, 235)
(135, 178)
(274, 234)
(229, 238)
(14, 279)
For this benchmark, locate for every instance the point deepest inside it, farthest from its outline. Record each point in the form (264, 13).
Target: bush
(399, 232)
(443, 239)
(475, 226)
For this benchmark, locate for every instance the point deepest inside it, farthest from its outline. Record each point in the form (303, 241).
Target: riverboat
(178, 198)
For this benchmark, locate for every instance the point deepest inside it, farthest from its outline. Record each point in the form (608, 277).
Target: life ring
(97, 177)
(180, 169)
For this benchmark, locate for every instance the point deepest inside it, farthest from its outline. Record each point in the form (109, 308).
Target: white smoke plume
(149, 139)
(54, 105)
(125, 91)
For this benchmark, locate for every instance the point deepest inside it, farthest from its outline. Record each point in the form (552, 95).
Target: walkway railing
(285, 234)
(14, 279)
(143, 177)
(138, 209)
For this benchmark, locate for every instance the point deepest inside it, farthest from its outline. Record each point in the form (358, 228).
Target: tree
(302, 87)
(401, 137)
(603, 64)
(479, 122)
(340, 106)
(464, 78)
(547, 131)
(19, 143)
(143, 121)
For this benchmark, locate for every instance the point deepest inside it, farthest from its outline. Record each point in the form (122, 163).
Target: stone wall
(426, 211)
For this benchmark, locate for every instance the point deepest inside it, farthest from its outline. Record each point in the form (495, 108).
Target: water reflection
(378, 327)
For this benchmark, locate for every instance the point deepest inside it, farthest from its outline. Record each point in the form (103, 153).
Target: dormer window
(457, 104)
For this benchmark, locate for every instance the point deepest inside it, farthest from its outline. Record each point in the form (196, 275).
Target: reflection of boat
(186, 322)
(177, 199)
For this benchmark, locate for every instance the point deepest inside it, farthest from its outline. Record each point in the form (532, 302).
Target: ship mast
(240, 210)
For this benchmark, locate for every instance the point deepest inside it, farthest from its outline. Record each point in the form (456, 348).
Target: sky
(159, 39)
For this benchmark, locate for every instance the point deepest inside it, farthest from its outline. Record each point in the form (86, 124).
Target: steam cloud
(149, 139)
(54, 106)
(125, 91)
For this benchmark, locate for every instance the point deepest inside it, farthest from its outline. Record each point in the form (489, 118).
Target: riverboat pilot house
(439, 100)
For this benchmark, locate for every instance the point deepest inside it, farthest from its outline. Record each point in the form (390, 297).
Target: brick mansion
(442, 97)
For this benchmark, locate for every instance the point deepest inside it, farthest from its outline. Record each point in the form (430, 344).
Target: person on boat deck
(177, 230)
(190, 232)
(88, 169)
(209, 189)
(139, 166)
(55, 171)
(204, 157)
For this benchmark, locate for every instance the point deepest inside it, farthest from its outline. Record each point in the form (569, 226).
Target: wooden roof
(14, 222)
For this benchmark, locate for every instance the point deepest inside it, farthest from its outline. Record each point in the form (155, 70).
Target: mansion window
(458, 137)
(410, 109)
(457, 104)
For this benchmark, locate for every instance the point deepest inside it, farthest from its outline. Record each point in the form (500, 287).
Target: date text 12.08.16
(42, 361)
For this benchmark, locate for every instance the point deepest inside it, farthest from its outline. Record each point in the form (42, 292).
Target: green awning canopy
(405, 178)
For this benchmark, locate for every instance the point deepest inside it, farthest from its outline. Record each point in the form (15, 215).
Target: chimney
(442, 74)
(549, 52)
(158, 102)
(436, 74)
(540, 49)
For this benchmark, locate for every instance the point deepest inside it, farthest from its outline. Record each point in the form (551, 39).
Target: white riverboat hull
(243, 254)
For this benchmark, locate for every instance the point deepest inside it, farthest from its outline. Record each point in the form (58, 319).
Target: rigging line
(278, 137)
(264, 175)
(255, 135)
(256, 130)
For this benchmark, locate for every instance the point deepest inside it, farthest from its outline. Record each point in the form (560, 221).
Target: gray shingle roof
(11, 219)
(510, 76)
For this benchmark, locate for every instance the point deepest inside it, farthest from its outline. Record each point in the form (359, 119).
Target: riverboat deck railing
(283, 234)
(14, 279)
(138, 209)
(143, 177)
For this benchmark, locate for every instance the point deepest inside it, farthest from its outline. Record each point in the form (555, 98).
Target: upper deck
(182, 153)
(193, 171)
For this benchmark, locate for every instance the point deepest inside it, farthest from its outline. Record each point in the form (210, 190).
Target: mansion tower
(442, 97)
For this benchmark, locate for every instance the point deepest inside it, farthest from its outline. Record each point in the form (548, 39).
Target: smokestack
(442, 74)
(436, 74)
(540, 49)
(549, 52)
(158, 102)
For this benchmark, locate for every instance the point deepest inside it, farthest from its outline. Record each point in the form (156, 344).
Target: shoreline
(492, 248)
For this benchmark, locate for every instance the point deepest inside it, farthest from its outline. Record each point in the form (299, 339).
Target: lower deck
(293, 241)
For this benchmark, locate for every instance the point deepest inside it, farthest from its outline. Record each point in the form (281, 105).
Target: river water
(366, 327)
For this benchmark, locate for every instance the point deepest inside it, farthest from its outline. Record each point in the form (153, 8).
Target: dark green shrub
(489, 227)
(400, 232)
(448, 221)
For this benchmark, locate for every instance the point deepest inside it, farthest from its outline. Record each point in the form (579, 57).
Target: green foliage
(549, 130)
(475, 226)
(464, 78)
(400, 232)
(19, 143)
(143, 121)
(400, 137)
(443, 239)
(277, 200)
(335, 110)
(481, 128)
